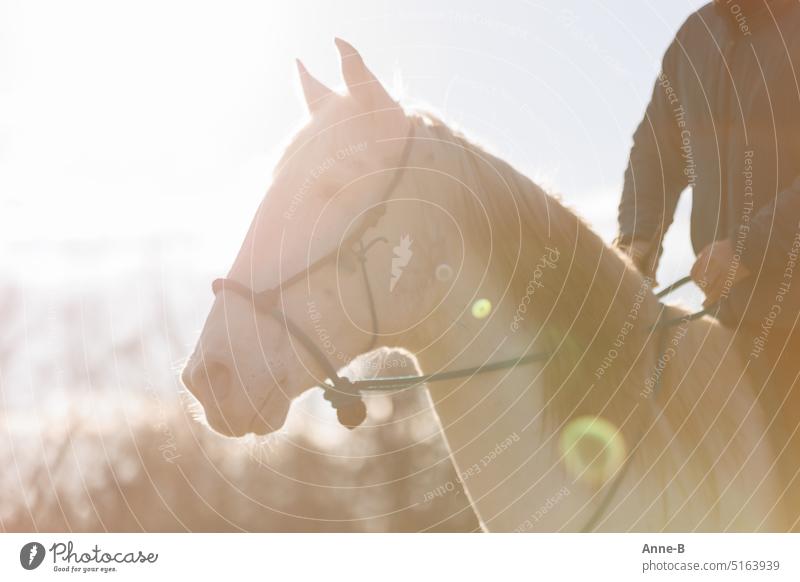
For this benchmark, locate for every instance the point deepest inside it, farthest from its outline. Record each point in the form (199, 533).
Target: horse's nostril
(218, 378)
(208, 380)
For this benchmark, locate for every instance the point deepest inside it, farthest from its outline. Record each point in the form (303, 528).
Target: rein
(710, 310)
(393, 383)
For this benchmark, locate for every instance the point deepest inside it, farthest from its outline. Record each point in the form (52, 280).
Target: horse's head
(328, 209)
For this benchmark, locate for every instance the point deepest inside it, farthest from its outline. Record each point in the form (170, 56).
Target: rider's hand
(715, 271)
(639, 251)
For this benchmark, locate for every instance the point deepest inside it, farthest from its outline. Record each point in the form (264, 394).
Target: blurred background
(137, 139)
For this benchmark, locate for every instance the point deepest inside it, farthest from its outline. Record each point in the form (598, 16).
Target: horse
(383, 228)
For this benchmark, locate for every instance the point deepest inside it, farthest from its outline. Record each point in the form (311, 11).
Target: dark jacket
(724, 119)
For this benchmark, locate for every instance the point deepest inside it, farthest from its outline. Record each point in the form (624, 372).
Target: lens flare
(592, 448)
(481, 308)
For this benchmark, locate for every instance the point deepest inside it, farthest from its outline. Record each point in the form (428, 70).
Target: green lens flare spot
(481, 308)
(592, 449)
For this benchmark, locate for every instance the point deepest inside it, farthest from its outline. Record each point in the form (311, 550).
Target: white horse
(623, 426)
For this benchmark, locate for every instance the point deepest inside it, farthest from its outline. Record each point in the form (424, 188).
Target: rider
(724, 118)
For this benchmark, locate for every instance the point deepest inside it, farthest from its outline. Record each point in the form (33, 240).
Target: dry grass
(95, 436)
(136, 475)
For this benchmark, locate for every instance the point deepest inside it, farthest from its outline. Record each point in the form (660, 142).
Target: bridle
(345, 394)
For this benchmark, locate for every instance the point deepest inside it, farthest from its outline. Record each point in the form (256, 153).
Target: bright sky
(125, 125)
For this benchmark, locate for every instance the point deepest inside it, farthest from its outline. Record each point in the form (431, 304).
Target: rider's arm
(654, 177)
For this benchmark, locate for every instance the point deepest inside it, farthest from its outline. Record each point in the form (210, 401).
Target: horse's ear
(361, 83)
(314, 91)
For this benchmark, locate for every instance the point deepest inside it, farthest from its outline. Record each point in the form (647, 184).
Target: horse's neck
(503, 427)
(506, 455)
(504, 450)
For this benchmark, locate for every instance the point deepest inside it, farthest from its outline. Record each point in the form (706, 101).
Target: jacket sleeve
(654, 178)
(774, 231)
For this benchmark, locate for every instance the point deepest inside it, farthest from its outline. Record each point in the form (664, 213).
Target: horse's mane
(594, 312)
